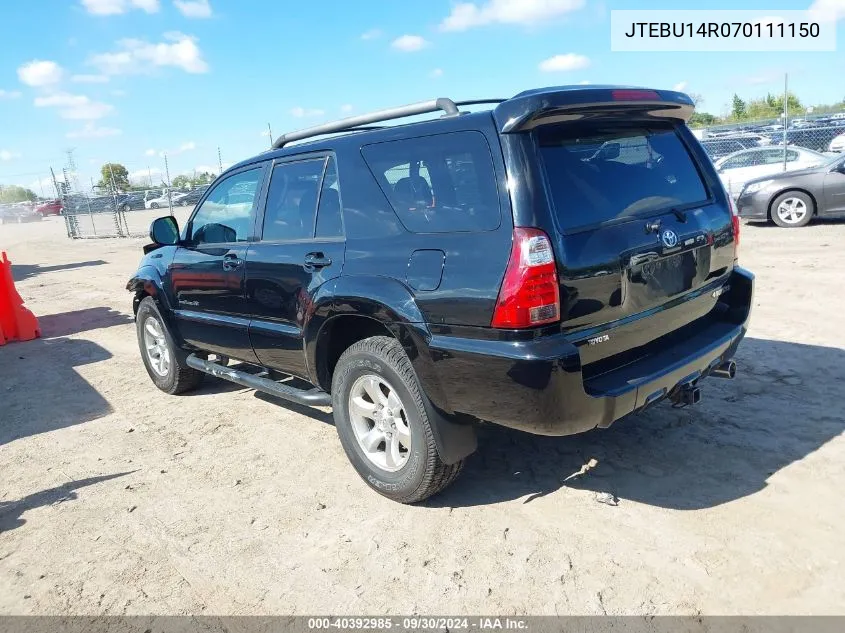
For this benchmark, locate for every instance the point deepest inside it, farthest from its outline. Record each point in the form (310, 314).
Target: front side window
(439, 183)
(226, 214)
(292, 200)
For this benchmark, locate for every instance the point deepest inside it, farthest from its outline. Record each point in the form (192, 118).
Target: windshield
(607, 171)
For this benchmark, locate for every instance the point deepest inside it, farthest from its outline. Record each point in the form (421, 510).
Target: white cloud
(680, 86)
(88, 111)
(409, 43)
(467, 15)
(116, 7)
(74, 107)
(211, 169)
(193, 8)
(89, 130)
(299, 112)
(827, 10)
(6, 155)
(346, 108)
(143, 176)
(184, 147)
(42, 184)
(766, 77)
(38, 73)
(9, 94)
(436, 73)
(90, 79)
(564, 63)
(60, 100)
(372, 34)
(584, 82)
(136, 56)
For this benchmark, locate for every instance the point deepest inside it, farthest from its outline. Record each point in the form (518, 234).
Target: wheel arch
(777, 195)
(361, 307)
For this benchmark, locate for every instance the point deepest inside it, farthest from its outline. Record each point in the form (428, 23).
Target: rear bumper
(539, 386)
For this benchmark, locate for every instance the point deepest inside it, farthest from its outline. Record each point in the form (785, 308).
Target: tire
(174, 376)
(127, 207)
(792, 209)
(154, 205)
(419, 472)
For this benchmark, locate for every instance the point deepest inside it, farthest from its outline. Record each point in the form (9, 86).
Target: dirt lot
(116, 498)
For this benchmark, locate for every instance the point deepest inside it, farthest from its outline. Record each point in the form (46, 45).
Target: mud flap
(454, 440)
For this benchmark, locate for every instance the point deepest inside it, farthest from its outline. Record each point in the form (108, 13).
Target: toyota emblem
(669, 238)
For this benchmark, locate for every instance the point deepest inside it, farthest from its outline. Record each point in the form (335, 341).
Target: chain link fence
(754, 149)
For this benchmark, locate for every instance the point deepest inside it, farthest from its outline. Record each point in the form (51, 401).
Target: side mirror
(164, 231)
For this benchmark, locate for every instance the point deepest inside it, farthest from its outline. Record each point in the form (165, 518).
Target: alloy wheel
(379, 422)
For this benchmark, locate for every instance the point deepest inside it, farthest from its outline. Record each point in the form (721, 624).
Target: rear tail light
(530, 294)
(735, 225)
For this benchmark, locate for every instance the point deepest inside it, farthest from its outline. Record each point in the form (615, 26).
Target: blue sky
(125, 80)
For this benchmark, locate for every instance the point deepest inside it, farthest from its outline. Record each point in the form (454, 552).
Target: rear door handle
(231, 261)
(314, 261)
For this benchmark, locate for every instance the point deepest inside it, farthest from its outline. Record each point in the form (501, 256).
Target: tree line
(115, 177)
(768, 107)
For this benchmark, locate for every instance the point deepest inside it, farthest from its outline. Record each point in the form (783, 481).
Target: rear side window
(329, 217)
(438, 184)
(292, 200)
(602, 172)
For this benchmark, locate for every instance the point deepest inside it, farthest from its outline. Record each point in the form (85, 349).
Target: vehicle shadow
(65, 323)
(816, 221)
(784, 404)
(42, 391)
(315, 414)
(11, 511)
(25, 271)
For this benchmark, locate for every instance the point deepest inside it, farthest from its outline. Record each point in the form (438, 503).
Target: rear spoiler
(533, 108)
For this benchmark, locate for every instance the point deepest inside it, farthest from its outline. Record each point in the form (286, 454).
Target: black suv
(551, 265)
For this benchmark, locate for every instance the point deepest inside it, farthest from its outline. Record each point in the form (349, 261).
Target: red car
(53, 207)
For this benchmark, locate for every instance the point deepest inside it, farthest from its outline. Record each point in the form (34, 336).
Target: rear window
(438, 184)
(603, 172)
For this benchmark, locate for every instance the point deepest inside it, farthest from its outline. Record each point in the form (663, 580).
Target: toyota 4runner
(552, 264)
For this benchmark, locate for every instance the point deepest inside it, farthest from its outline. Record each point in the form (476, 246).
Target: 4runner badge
(669, 238)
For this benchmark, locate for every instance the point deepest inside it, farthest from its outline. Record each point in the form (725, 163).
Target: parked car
(131, 201)
(791, 199)
(51, 207)
(84, 204)
(17, 213)
(177, 197)
(837, 144)
(737, 169)
(552, 265)
(193, 196)
(814, 138)
(157, 202)
(718, 147)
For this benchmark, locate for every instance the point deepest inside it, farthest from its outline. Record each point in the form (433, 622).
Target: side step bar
(309, 397)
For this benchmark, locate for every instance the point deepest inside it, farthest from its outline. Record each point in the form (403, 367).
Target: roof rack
(360, 122)
(479, 101)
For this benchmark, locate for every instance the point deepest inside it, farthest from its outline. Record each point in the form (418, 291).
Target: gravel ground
(118, 499)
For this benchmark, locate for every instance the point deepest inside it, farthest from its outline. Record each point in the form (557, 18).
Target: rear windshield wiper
(681, 215)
